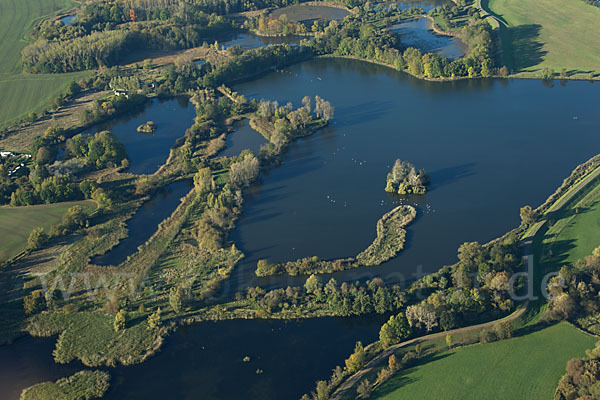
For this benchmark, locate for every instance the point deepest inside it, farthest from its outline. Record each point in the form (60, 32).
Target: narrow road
(484, 13)
(558, 205)
(354, 379)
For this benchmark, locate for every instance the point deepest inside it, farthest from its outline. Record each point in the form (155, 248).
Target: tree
(322, 391)
(393, 364)
(364, 389)
(34, 302)
(449, 341)
(44, 155)
(154, 320)
(313, 284)
(37, 238)
(356, 359)
(528, 215)
(243, 172)
(120, 321)
(203, 180)
(395, 330)
(176, 299)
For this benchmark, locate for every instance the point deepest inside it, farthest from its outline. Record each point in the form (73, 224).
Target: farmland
(21, 94)
(549, 34)
(16, 223)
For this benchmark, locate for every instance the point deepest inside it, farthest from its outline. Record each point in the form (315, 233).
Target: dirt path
(354, 379)
(559, 204)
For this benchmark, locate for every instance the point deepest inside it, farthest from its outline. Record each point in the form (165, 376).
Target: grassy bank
(549, 34)
(82, 385)
(16, 223)
(500, 370)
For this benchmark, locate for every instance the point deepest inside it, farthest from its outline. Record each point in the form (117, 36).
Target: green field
(21, 94)
(549, 33)
(526, 367)
(16, 223)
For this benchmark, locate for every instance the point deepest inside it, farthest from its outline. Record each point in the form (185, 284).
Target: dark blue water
(147, 152)
(145, 222)
(490, 147)
(249, 40)
(243, 138)
(426, 5)
(417, 34)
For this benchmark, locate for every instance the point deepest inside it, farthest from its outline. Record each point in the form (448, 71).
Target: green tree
(154, 320)
(37, 238)
(528, 215)
(395, 330)
(176, 299)
(356, 359)
(34, 302)
(313, 284)
(449, 341)
(120, 321)
(322, 390)
(203, 180)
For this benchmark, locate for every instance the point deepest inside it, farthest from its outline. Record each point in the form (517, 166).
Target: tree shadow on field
(527, 49)
(402, 378)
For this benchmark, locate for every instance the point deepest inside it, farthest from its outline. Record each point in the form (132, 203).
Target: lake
(489, 146)
(418, 34)
(147, 152)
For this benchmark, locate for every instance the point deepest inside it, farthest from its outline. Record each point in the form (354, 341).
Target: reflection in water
(244, 137)
(417, 34)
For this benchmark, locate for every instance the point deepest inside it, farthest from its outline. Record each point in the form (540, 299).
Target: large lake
(490, 146)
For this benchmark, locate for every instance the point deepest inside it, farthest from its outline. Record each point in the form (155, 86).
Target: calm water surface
(243, 138)
(418, 34)
(426, 5)
(490, 146)
(147, 152)
(145, 222)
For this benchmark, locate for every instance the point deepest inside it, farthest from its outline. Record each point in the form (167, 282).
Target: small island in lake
(148, 127)
(404, 179)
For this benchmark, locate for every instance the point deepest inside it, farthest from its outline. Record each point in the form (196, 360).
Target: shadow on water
(450, 175)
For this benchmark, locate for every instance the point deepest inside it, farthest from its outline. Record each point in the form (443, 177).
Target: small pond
(147, 152)
(244, 137)
(69, 19)
(426, 5)
(145, 222)
(418, 34)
